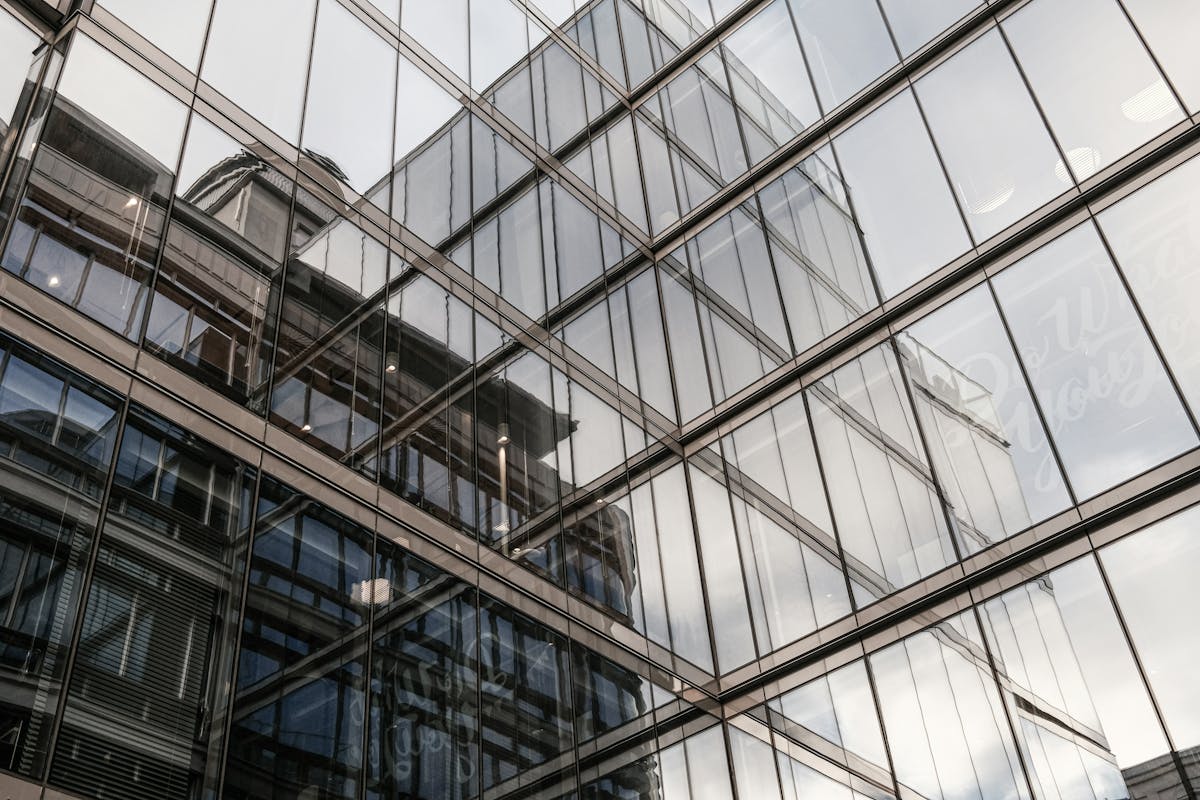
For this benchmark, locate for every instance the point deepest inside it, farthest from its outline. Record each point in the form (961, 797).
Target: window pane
(1100, 90)
(1152, 575)
(17, 44)
(915, 22)
(176, 28)
(1170, 28)
(268, 82)
(348, 117)
(899, 192)
(1155, 236)
(1108, 402)
(90, 224)
(770, 79)
(1077, 697)
(155, 651)
(847, 45)
(990, 135)
(943, 716)
(993, 457)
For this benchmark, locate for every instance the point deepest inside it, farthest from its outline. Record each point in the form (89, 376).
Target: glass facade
(599, 399)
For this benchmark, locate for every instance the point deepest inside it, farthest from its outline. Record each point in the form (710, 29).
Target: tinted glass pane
(1091, 363)
(1077, 697)
(216, 294)
(899, 192)
(943, 716)
(17, 44)
(297, 717)
(155, 651)
(1100, 90)
(348, 116)
(915, 22)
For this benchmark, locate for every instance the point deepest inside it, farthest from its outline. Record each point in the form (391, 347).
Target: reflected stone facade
(583, 400)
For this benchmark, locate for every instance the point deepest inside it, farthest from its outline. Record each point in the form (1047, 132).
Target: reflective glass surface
(898, 192)
(1091, 363)
(177, 30)
(1099, 88)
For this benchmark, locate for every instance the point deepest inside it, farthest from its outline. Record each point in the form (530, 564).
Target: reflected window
(90, 224)
(57, 433)
(1074, 691)
(1097, 85)
(943, 716)
(989, 133)
(216, 293)
(297, 717)
(899, 192)
(268, 82)
(769, 78)
(890, 519)
(993, 457)
(155, 649)
(1091, 364)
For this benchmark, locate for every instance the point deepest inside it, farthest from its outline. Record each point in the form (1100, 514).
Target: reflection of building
(579, 456)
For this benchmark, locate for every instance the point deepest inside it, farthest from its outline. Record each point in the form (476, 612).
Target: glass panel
(217, 291)
(993, 458)
(915, 22)
(943, 717)
(890, 520)
(1091, 364)
(1151, 574)
(769, 78)
(348, 116)
(817, 249)
(1074, 691)
(146, 704)
(1099, 89)
(328, 356)
(847, 45)
(1170, 28)
(835, 716)
(91, 221)
(899, 193)
(609, 696)
(177, 29)
(525, 690)
(57, 433)
(1155, 236)
(17, 44)
(268, 82)
(499, 39)
(298, 711)
(424, 715)
(990, 136)
(441, 28)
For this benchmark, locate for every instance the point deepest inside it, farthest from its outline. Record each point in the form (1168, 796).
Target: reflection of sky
(16, 44)
(113, 92)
